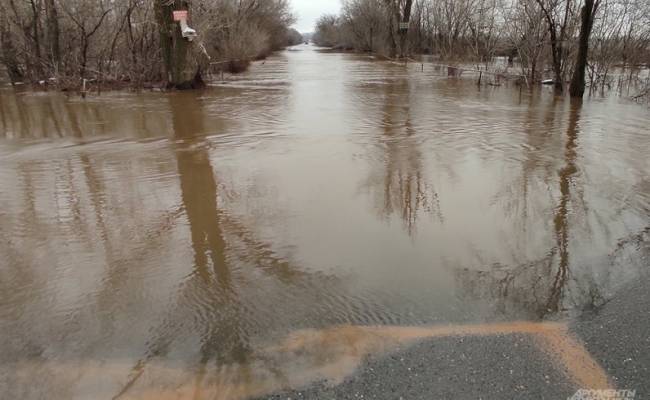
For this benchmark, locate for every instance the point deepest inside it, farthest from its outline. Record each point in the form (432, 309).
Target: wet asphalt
(617, 335)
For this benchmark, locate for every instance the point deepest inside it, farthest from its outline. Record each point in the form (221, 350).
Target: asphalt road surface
(615, 338)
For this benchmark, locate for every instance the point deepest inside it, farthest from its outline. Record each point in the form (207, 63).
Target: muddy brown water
(157, 245)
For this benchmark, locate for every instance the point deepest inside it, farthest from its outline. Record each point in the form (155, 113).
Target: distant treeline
(541, 35)
(136, 41)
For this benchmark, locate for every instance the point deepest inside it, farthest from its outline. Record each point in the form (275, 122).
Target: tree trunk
(36, 38)
(533, 70)
(556, 53)
(8, 53)
(557, 42)
(182, 66)
(84, 54)
(403, 33)
(53, 34)
(589, 9)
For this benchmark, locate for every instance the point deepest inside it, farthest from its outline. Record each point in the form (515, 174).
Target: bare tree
(558, 15)
(484, 30)
(366, 23)
(53, 33)
(88, 23)
(588, 13)
(327, 31)
(542, 35)
(135, 42)
(182, 66)
(9, 55)
(402, 15)
(527, 36)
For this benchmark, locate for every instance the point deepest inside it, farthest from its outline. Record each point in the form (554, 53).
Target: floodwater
(172, 245)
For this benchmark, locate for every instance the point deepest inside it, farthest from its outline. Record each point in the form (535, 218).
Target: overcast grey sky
(308, 11)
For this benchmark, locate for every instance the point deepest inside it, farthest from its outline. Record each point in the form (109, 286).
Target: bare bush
(126, 41)
(541, 35)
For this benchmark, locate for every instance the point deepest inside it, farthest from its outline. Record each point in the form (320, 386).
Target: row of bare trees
(135, 41)
(564, 40)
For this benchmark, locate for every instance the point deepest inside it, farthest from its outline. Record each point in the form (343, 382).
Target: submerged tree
(182, 65)
(526, 37)
(399, 17)
(545, 38)
(558, 21)
(589, 10)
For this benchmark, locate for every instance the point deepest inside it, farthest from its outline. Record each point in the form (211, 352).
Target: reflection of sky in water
(195, 228)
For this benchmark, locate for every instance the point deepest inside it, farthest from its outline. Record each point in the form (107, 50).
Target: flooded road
(158, 245)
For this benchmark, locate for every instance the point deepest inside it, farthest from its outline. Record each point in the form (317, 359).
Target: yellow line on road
(344, 342)
(304, 357)
(576, 361)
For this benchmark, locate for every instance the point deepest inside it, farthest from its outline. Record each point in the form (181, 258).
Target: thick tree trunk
(182, 66)
(577, 88)
(392, 40)
(53, 33)
(406, 17)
